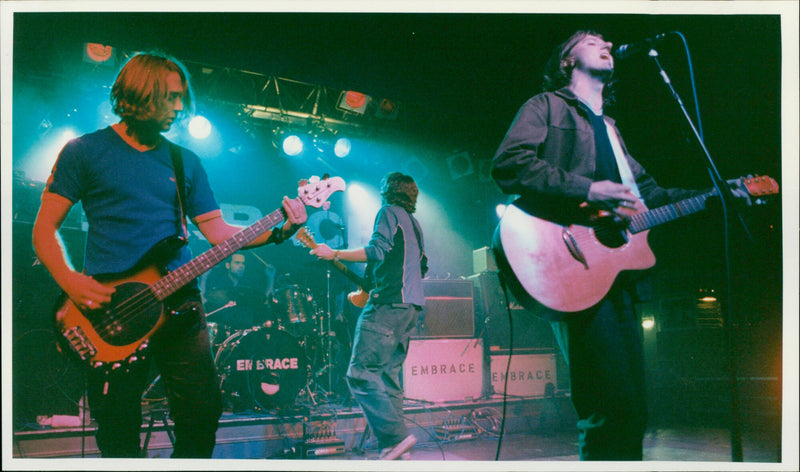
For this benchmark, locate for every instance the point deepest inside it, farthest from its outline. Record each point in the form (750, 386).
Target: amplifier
(449, 310)
(525, 330)
(440, 370)
(483, 260)
(528, 374)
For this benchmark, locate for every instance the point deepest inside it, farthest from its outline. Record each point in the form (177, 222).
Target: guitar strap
(622, 163)
(423, 259)
(180, 183)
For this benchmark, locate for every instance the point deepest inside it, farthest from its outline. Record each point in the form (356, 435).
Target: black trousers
(182, 353)
(604, 350)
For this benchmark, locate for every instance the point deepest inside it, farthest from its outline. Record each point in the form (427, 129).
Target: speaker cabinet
(440, 370)
(449, 310)
(529, 331)
(45, 381)
(526, 375)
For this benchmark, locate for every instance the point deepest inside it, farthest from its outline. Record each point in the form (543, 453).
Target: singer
(561, 151)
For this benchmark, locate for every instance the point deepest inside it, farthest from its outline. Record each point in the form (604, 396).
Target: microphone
(627, 50)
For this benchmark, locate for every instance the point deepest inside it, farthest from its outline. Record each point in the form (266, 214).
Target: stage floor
(536, 429)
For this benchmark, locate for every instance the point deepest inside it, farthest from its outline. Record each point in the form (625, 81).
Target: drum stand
(311, 395)
(325, 365)
(157, 413)
(328, 334)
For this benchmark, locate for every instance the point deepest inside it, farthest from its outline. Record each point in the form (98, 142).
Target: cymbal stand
(328, 333)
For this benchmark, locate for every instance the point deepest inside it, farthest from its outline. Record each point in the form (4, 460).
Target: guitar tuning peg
(326, 176)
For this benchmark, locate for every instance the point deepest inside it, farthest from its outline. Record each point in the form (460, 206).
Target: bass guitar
(359, 297)
(555, 269)
(119, 331)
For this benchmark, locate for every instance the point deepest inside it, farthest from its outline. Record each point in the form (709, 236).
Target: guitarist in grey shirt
(395, 252)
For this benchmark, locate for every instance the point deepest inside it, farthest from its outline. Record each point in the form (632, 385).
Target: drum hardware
(231, 303)
(327, 330)
(294, 310)
(155, 392)
(157, 414)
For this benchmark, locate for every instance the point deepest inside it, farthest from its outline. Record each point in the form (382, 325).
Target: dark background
(460, 78)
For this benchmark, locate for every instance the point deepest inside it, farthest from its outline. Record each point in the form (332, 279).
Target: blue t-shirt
(130, 197)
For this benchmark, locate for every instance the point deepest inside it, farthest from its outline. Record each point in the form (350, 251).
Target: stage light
(67, 136)
(648, 323)
(707, 295)
(95, 53)
(358, 194)
(353, 102)
(38, 166)
(387, 109)
(292, 145)
(199, 127)
(362, 202)
(460, 165)
(342, 147)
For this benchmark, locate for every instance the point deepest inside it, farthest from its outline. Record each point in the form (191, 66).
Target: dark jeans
(182, 353)
(379, 350)
(607, 375)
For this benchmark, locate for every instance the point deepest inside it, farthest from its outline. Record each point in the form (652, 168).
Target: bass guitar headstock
(314, 192)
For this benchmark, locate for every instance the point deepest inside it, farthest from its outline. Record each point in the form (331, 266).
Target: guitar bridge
(572, 245)
(80, 343)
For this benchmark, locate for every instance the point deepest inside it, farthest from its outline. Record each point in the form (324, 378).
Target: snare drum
(261, 369)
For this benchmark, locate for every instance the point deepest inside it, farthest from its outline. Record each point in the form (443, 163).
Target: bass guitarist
(562, 151)
(134, 197)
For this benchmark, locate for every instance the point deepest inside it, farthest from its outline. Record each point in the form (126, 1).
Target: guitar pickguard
(131, 314)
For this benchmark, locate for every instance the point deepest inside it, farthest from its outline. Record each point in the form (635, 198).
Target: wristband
(276, 237)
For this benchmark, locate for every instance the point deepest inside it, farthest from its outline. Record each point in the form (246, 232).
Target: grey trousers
(379, 350)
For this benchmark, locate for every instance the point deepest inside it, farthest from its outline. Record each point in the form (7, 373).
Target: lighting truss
(280, 102)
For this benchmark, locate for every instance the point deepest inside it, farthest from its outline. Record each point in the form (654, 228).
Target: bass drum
(261, 369)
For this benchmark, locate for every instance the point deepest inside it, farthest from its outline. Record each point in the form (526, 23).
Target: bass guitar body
(119, 331)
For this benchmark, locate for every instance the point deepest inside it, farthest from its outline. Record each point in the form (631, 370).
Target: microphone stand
(725, 194)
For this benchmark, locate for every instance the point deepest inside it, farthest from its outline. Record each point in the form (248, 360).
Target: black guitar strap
(424, 258)
(180, 183)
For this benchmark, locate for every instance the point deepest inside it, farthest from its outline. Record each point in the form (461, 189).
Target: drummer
(234, 296)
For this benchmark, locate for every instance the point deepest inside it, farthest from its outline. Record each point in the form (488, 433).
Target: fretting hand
(295, 216)
(323, 252)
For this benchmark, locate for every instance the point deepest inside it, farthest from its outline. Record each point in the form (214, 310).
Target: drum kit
(266, 366)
